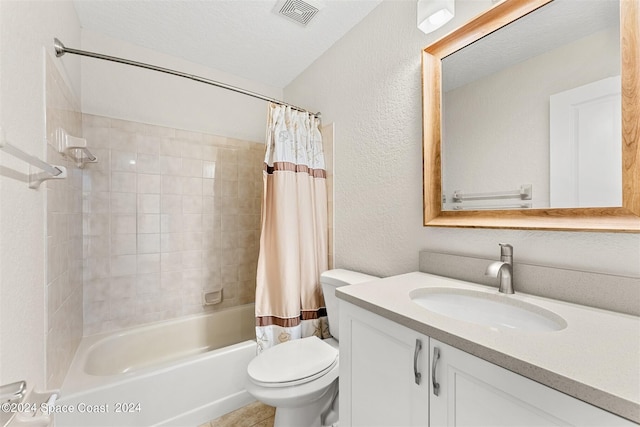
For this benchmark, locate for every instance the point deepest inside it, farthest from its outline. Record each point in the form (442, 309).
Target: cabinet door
(474, 392)
(378, 366)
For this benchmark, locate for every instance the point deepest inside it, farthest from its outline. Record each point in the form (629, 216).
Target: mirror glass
(531, 113)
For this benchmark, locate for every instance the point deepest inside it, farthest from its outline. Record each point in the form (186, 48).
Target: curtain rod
(61, 49)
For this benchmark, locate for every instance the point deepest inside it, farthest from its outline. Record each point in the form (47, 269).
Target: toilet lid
(293, 362)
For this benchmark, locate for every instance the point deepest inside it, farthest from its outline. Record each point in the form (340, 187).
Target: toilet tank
(332, 279)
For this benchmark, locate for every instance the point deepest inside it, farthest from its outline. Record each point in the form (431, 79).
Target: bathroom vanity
(557, 363)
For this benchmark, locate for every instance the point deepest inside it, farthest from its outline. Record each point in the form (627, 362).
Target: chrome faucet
(503, 269)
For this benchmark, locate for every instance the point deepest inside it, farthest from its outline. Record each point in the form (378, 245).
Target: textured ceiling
(242, 37)
(547, 28)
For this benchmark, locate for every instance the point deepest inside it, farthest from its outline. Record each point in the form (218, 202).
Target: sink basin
(483, 308)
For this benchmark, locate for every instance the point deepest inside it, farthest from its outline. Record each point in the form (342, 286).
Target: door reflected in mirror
(531, 113)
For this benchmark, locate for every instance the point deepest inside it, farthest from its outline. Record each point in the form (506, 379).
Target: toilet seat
(293, 363)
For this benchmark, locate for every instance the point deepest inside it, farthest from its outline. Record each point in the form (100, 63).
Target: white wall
(490, 146)
(27, 31)
(140, 95)
(369, 84)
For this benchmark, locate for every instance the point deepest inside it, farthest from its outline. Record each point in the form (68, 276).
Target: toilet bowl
(305, 390)
(300, 377)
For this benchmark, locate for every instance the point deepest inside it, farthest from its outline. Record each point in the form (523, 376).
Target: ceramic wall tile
(64, 230)
(169, 216)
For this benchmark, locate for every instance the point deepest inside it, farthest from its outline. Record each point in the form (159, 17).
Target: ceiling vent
(297, 10)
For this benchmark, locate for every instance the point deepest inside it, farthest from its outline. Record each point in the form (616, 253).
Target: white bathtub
(182, 372)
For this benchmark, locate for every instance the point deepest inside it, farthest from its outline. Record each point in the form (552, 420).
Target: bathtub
(182, 372)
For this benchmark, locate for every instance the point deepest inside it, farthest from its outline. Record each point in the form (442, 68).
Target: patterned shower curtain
(293, 241)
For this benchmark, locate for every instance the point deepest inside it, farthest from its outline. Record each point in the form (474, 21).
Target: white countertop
(596, 358)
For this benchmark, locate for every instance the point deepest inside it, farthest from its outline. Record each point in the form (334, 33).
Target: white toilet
(300, 377)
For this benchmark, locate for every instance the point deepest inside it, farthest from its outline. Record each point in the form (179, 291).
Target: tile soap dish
(74, 147)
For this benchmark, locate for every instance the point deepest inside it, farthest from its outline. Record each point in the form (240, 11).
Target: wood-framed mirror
(624, 217)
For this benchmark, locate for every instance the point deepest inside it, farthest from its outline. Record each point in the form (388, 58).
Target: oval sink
(493, 310)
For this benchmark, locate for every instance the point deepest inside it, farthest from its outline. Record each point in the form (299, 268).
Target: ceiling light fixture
(433, 14)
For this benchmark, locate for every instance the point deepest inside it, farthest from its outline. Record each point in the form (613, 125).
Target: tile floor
(255, 414)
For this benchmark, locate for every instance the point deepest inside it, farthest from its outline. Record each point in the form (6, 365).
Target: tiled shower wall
(163, 215)
(167, 214)
(64, 234)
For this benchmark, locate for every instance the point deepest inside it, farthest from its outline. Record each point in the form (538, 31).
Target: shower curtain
(293, 240)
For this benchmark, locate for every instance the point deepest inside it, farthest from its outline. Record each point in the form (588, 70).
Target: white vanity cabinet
(474, 392)
(379, 361)
(378, 386)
